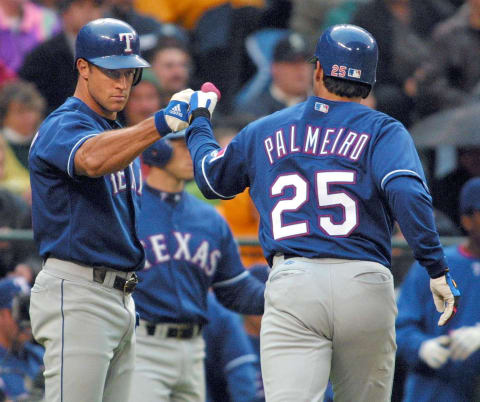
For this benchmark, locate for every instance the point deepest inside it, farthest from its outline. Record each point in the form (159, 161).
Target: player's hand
(175, 116)
(203, 100)
(435, 352)
(445, 295)
(464, 342)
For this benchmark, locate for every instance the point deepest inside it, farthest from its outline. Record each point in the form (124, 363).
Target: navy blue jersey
(230, 360)
(317, 173)
(91, 221)
(417, 322)
(189, 247)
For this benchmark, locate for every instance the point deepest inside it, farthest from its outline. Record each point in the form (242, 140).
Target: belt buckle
(130, 284)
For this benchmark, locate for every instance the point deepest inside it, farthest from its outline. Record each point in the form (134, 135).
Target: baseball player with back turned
(329, 177)
(189, 248)
(86, 185)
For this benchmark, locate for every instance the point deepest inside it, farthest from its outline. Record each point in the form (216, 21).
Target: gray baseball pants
(328, 318)
(168, 369)
(88, 331)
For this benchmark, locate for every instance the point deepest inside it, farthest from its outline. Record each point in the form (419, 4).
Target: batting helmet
(161, 151)
(348, 52)
(110, 44)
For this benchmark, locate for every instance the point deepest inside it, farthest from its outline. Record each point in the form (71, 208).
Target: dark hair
(23, 92)
(167, 42)
(346, 88)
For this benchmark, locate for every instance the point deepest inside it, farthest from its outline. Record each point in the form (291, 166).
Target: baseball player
(189, 248)
(86, 185)
(444, 362)
(230, 362)
(329, 177)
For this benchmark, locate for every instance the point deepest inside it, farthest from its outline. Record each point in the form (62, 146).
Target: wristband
(199, 112)
(161, 124)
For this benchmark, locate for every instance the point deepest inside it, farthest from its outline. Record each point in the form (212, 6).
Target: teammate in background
(21, 362)
(444, 362)
(189, 248)
(329, 177)
(230, 363)
(86, 187)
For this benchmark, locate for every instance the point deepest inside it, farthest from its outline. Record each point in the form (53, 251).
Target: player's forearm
(113, 150)
(413, 211)
(244, 297)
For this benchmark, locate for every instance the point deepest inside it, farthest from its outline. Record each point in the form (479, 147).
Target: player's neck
(322, 92)
(162, 180)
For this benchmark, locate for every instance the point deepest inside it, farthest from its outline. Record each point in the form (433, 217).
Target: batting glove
(202, 104)
(175, 116)
(465, 341)
(434, 353)
(445, 296)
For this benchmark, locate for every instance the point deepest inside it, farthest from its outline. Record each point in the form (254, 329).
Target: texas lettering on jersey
(194, 251)
(119, 183)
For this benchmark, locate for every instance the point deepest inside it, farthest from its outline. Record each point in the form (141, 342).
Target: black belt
(179, 331)
(127, 286)
(287, 256)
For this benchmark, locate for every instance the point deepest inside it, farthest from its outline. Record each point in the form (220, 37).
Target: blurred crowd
(256, 52)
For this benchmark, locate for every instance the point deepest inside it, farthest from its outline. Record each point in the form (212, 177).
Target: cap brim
(117, 62)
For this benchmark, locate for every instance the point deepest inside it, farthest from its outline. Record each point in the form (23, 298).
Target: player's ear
(318, 73)
(83, 68)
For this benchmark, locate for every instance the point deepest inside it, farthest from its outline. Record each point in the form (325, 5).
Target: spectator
(446, 190)
(13, 175)
(23, 25)
(54, 58)
(149, 29)
(187, 13)
(443, 362)
(21, 109)
(448, 77)
(230, 362)
(400, 49)
(144, 100)
(14, 214)
(171, 65)
(20, 360)
(6, 73)
(291, 79)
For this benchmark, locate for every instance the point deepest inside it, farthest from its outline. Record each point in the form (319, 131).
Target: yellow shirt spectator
(187, 12)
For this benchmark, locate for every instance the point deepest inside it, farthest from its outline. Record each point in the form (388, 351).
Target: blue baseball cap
(11, 287)
(470, 197)
(161, 151)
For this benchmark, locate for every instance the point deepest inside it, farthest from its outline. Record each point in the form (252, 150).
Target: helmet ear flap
(137, 76)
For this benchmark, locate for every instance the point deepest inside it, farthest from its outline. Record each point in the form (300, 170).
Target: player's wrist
(161, 123)
(199, 112)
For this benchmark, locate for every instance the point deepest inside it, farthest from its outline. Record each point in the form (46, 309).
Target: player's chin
(117, 104)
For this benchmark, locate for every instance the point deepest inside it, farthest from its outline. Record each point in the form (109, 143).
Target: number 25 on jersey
(325, 199)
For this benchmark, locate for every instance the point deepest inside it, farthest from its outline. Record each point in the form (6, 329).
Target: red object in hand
(209, 87)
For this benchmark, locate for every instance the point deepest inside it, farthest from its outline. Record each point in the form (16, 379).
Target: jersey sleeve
(394, 155)
(234, 287)
(219, 172)
(62, 141)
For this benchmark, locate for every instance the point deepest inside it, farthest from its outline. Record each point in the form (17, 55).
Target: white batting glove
(175, 116)
(202, 100)
(434, 353)
(465, 341)
(445, 297)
